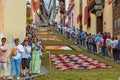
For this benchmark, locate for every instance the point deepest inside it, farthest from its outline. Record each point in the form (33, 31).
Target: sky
(46, 3)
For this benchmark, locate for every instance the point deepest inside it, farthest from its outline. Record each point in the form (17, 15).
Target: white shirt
(18, 52)
(108, 42)
(114, 43)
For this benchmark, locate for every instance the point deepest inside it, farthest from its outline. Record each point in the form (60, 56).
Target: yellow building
(1, 18)
(108, 18)
(77, 13)
(95, 23)
(84, 26)
(14, 18)
(12, 22)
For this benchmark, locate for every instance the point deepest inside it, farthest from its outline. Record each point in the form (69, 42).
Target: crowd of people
(24, 57)
(100, 43)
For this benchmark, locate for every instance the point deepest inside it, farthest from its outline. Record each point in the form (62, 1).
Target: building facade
(77, 14)
(116, 18)
(71, 14)
(13, 19)
(52, 8)
(1, 18)
(62, 12)
(92, 16)
(97, 16)
(66, 11)
(57, 14)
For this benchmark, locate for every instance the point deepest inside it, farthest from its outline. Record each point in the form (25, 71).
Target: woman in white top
(3, 58)
(16, 59)
(114, 48)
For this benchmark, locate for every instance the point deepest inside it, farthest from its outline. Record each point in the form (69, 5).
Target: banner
(86, 15)
(88, 1)
(110, 1)
(78, 19)
(35, 5)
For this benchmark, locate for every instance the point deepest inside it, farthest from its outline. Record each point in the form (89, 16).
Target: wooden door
(100, 24)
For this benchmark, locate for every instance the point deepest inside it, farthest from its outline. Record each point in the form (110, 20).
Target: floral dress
(35, 63)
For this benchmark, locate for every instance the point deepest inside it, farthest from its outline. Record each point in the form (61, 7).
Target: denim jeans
(88, 45)
(104, 52)
(83, 41)
(15, 64)
(114, 53)
(68, 35)
(118, 54)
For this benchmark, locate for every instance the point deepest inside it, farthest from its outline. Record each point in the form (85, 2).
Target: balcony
(95, 5)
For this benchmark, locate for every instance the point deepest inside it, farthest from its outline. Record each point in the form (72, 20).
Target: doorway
(100, 24)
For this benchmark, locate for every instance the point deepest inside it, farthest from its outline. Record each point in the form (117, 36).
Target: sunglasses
(16, 42)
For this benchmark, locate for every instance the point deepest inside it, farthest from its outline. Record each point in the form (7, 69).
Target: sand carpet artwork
(76, 62)
(44, 29)
(57, 47)
(44, 32)
(52, 38)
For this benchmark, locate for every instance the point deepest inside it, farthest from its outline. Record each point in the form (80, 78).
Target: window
(89, 22)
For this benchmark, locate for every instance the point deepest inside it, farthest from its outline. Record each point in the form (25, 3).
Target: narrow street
(63, 72)
(91, 66)
(59, 39)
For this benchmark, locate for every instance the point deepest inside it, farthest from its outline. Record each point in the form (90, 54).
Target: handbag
(13, 52)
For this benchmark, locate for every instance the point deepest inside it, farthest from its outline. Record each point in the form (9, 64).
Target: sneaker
(10, 78)
(18, 78)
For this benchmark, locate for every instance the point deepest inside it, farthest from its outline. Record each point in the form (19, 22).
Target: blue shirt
(83, 35)
(118, 43)
(98, 39)
(36, 47)
(29, 43)
(26, 53)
